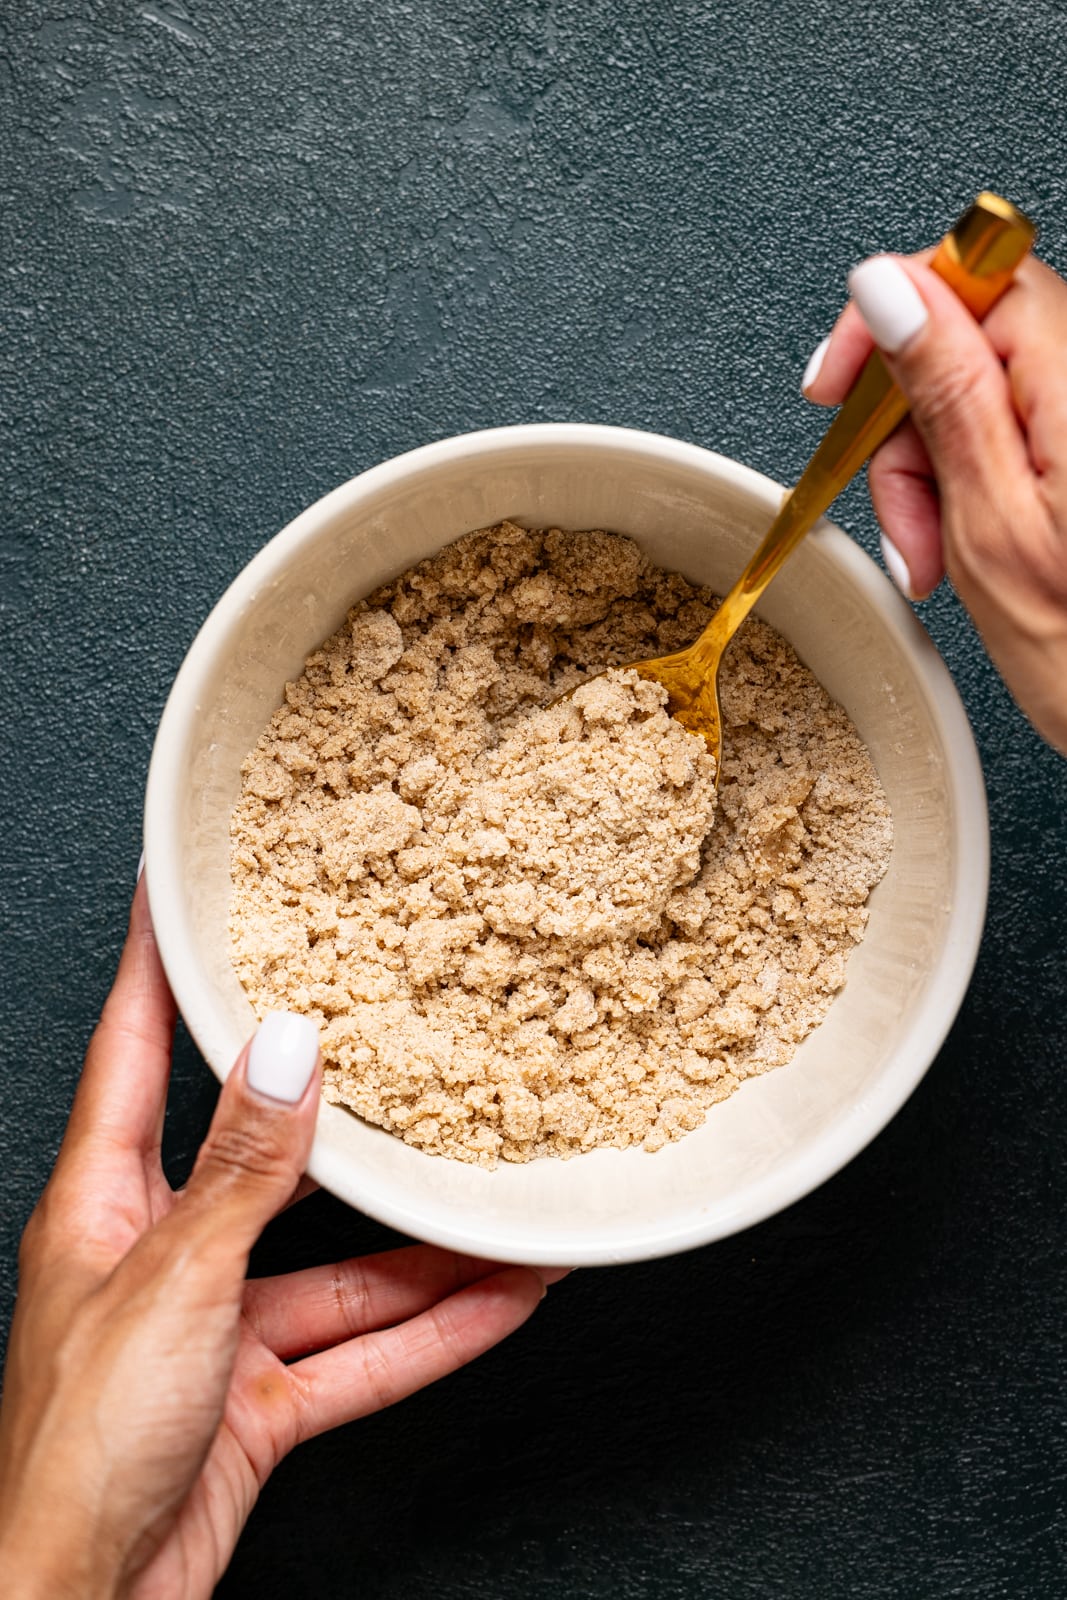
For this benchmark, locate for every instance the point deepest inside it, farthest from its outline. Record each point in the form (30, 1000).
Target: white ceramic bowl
(778, 1136)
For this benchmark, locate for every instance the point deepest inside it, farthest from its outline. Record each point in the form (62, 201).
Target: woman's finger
(306, 1187)
(369, 1373)
(1023, 328)
(299, 1312)
(311, 1310)
(254, 1155)
(906, 502)
(835, 364)
(123, 1089)
(955, 384)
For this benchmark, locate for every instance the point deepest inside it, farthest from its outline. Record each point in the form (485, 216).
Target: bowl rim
(847, 1134)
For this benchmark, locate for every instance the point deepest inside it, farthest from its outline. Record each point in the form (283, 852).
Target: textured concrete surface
(252, 249)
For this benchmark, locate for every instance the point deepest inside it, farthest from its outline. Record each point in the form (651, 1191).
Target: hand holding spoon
(978, 259)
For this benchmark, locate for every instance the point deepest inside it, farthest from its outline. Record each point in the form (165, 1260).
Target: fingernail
(140, 867)
(888, 302)
(814, 366)
(897, 568)
(283, 1056)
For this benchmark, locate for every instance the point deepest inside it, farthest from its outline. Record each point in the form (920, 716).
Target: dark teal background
(251, 249)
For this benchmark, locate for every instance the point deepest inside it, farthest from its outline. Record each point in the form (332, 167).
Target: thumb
(260, 1137)
(952, 376)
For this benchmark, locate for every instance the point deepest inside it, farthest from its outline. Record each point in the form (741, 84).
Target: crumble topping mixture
(526, 928)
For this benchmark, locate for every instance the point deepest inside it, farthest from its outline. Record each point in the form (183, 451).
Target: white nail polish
(283, 1056)
(897, 568)
(140, 867)
(888, 302)
(814, 366)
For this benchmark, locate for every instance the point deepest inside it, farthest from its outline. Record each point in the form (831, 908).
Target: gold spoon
(978, 259)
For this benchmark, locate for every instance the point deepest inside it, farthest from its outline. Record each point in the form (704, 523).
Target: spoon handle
(978, 258)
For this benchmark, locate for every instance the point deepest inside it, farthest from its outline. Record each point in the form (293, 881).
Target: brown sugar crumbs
(525, 928)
